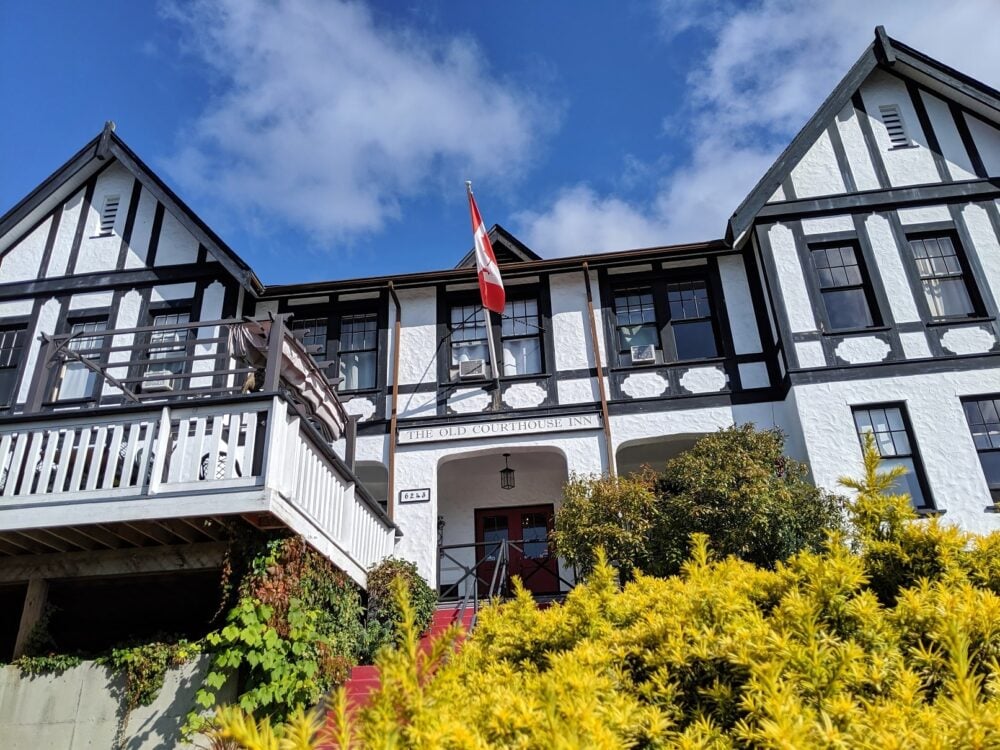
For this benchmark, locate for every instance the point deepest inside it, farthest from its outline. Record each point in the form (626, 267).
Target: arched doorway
(487, 533)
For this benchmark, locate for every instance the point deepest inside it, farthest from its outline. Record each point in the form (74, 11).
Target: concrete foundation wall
(81, 708)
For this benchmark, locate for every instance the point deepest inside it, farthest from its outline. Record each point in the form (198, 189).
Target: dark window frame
(865, 285)
(16, 363)
(517, 295)
(447, 300)
(333, 312)
(968, 277)
(914, 455)
(659, 282)
(82, 317)
(994, 488)
(148, 346)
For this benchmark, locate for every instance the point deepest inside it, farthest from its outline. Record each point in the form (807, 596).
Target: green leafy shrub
(615, 514)
(725, 654)
(293, 634)
(383, 613)
(737, 487)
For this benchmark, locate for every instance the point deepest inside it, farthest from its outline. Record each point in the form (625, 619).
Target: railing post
(275, 338)
(161, 448)
(39, 378)
(351, 441)
(275, 440)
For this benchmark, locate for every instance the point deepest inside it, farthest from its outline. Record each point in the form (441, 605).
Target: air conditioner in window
(642, 354)
(158, 380)
(472, 368)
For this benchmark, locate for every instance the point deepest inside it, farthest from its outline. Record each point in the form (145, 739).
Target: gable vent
(108, 214)
(894, 125)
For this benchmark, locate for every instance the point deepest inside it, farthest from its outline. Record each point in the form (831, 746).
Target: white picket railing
(251, 444)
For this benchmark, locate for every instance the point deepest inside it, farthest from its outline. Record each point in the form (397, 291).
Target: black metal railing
(489, 576)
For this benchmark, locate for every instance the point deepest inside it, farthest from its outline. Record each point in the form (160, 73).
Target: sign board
(502, 428)
(422, 495)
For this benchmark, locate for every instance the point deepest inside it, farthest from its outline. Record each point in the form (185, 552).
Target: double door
(525, 530)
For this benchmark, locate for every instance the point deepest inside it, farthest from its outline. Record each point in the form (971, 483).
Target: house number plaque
(415, 496)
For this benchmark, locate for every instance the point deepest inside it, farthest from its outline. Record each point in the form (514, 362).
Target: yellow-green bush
(889, 638)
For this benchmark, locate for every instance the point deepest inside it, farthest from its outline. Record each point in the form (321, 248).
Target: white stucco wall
(817, 172)
(905, 166)
(22, 262)
(985, 244)
(569, 321)
(939, 429)
(101, 253)
(987, 140)
(64, 237)
(858, 158)
(952, 149)
(890, 268)
(739, 306)
(798, 307)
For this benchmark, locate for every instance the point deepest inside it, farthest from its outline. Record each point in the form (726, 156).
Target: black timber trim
(965, 85)
(898, 368)
(962, 126)
(50, 241)
(876, 200)
(154, 236)
(81, 224)
(928, 129)
(755, 281)
(743, 217)
(833, 132)
(913, 280)
(133, 207)
(871, 145)
(30, 335)
(101, 280)
(512, 244)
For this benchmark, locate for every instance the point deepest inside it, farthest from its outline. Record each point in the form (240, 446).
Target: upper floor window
(313, 334)
(843, 286)
(691, 320)
(894, 442)
(943, 276)
(11, 355)
(467, 329)
(520, 333)
(76, 380)
(983, 415)
(167, 351)
(665, 322)
(358, 353)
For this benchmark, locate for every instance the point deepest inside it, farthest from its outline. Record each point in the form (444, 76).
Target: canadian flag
(490, 283)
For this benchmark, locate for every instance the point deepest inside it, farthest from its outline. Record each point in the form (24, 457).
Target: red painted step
(364, 680)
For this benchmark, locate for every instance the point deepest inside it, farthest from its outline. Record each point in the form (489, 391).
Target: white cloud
(326, 118)
(766, 68)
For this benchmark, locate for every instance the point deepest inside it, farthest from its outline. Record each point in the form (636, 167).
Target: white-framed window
(75, 380)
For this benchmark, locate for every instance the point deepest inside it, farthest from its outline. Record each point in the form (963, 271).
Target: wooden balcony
(181, 470)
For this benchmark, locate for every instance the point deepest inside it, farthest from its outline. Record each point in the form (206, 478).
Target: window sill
(857, 331)
(490, 381)
(675, 363)
(930, 512)
(937, 322)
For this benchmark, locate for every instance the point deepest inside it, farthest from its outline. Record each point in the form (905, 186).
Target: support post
(275, 338)
(31, 613)
(600, 372)
(351, 441)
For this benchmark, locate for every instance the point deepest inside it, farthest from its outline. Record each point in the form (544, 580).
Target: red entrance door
(526, 530)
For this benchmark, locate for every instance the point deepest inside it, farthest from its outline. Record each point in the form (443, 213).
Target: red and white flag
(490, 283)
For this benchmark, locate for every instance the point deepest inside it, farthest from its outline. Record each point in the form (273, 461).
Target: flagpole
(491, 344)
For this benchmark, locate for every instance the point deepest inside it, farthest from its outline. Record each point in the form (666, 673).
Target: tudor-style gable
(898, 119)
(506, 247)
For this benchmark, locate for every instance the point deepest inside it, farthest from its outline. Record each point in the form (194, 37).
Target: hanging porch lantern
(506, 474)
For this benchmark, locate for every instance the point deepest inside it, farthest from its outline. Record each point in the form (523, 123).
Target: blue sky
(326, 140)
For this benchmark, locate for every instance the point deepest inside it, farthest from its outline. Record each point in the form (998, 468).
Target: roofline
(523, 268)
(503, 234)
(108, 144)
(882, 52)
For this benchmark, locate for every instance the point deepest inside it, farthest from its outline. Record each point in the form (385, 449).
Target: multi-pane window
(691, 320)
(358, 351)
(467, 326)
(312, 333)
(635, 323)
(76, 380)
(520, 333)
(11, 356)
(534, 535)
(168, 344)
(895, 445)
(942, 276)
(984, 421)
(843, 287)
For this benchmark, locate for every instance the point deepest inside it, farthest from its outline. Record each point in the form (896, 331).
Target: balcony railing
(248, 434)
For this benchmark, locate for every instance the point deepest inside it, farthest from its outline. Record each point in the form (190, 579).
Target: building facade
(856, 289)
